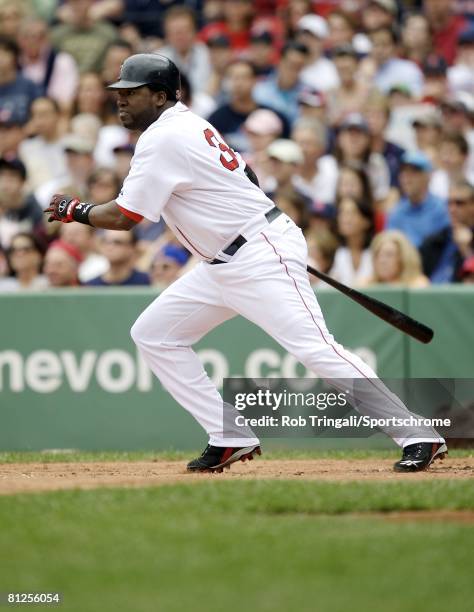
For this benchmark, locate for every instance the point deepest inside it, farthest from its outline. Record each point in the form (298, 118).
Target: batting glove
(61, 208)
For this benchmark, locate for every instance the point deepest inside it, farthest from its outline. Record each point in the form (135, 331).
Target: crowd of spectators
(357, 117)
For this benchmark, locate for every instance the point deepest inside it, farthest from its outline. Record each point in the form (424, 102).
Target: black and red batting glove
(61, 208)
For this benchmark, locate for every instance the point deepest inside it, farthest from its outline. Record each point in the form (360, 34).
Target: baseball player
(253, 263)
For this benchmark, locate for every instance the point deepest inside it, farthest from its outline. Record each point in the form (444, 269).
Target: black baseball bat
(391, 315)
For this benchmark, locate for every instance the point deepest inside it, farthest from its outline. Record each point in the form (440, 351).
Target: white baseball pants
(266, 282)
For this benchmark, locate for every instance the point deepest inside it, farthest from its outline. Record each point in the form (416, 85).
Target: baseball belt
(234, 246)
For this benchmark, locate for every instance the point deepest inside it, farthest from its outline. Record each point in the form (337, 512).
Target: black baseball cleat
(417, 457)
(216, 458)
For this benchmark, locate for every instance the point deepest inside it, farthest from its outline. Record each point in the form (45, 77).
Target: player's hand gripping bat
(391, 315)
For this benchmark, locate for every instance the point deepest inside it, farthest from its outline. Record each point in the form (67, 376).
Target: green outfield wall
(70, 376)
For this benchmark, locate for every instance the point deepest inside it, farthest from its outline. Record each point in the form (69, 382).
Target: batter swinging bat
(391, 315)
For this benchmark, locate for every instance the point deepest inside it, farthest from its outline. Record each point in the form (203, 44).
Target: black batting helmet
(149, 69)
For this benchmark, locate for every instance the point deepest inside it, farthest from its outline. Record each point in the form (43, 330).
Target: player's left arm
(108, 216)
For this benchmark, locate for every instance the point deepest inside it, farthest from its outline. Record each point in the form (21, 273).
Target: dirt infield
(35, 477)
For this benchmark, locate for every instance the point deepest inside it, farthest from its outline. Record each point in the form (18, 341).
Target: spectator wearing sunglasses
(120, 249)
(444, 252)
(25, 257)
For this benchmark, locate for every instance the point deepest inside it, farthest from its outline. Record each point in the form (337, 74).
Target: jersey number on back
(227, 158)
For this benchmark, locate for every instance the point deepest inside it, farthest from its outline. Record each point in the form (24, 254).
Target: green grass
(262, 546)
(172, 455)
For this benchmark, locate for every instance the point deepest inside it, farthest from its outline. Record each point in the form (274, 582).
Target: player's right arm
(145, 191)
(108, 216)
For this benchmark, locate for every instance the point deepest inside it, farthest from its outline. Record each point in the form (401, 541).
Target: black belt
(234, 246)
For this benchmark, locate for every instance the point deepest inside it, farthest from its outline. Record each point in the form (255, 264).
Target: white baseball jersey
(183, 171)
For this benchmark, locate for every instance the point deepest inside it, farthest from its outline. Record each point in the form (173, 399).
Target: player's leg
(164, 334)
(288, 310)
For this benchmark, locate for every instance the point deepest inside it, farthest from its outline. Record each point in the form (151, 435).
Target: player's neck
(151, 119)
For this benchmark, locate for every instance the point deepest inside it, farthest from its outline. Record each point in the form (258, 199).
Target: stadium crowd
(356, 115)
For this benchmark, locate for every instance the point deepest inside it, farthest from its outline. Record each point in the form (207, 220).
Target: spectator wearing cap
(61, 265)
(379, 14)
(237, 16)
(377, 114)
(388, 69)
(319, 72)
(167, 265)
(82, 36)
(355, 227)
(280, 90)
(262, 127)
(285, 161)
(317, 175)
(119, 248)
(25, 257)
(351, 94)
(79, 167)
(43, 154)
(262, 53)
(453, 154)
(184, 49)
(418, 213)
(220, 55)
(444, 252)
(400, 96)
(55, 73)
(428, 131)
(312, 104)
(435, 70)
(229, 118)
(416, 38)
(16, 91)
(353, 146)
(445, 27)
(458, 117)
(18, 213)
(461, 74)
